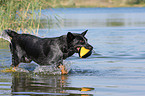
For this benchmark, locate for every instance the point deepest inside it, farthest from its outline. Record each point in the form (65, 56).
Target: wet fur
(44, 51)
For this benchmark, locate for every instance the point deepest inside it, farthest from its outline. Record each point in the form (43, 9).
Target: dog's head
(80, 44)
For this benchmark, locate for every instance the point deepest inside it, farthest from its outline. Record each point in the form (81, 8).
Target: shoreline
(96, 3)
(86, 6)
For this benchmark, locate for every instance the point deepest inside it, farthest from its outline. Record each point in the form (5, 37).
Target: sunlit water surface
(116, 67)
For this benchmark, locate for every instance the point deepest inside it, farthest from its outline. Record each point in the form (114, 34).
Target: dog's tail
(6, 34)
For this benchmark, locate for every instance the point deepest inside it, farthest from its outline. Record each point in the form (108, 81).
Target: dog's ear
(70, 37)
(84, 33)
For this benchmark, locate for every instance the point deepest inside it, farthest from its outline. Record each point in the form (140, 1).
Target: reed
(23, 15)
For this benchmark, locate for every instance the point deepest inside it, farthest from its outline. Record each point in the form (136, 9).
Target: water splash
(51, 70)
(47, 70)
(35, 68)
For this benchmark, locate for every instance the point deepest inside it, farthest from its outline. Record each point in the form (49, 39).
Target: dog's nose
(90, 47)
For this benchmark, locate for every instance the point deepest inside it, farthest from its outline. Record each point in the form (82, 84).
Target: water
(116, 67)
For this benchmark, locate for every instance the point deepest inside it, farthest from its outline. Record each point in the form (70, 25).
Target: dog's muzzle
(84, 52)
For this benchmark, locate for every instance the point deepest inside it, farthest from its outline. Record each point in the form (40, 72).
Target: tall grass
(22, 14)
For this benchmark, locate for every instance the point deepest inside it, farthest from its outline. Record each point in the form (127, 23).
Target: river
(116, 67)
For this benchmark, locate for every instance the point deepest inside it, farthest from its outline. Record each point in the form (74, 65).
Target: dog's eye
(81, 41)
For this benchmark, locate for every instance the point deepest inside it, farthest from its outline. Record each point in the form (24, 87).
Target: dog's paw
(8, 70)
(63, 70)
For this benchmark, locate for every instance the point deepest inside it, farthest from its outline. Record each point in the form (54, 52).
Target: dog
(44, 51)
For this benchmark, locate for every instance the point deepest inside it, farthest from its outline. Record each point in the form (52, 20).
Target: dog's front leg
(59, 65)
(63, 70)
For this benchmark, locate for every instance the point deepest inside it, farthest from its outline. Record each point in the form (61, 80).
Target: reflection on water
(116, 67)
(24, 84)
(96, 17)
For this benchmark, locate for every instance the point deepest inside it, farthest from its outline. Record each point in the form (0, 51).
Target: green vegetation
(135, 1)
(22, 14)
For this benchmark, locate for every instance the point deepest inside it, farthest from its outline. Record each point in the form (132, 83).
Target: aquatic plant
(22, 14)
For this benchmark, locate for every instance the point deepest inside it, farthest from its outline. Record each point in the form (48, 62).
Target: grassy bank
(102, 3)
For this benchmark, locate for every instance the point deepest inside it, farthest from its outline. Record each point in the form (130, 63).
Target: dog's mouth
(78, 49)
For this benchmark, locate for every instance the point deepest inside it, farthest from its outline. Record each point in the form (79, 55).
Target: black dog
(44, 51)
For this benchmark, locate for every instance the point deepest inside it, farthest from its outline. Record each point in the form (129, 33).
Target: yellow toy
(83, 53)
